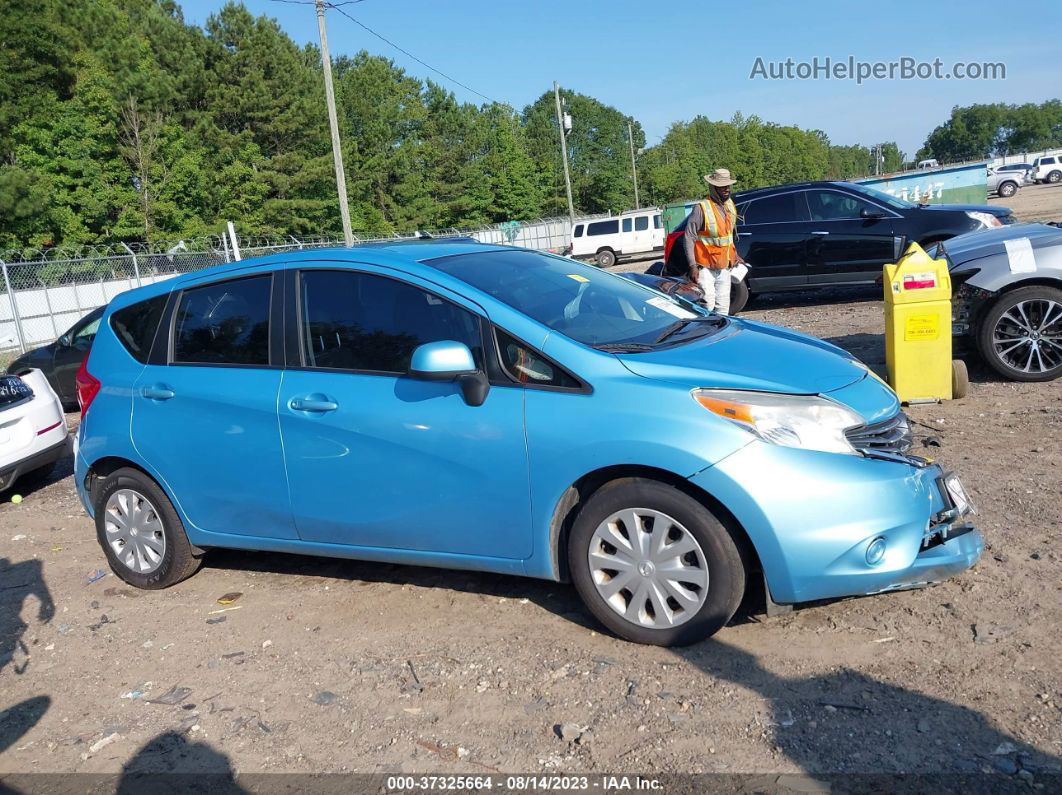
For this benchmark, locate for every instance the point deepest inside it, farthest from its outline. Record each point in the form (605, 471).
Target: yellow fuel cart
(918, 330)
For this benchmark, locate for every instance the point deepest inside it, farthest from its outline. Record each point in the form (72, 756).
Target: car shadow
(558, 598)
(861, 734)
(19, 582)
(30, 484)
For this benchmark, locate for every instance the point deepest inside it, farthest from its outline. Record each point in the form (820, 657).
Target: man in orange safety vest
(709, 242)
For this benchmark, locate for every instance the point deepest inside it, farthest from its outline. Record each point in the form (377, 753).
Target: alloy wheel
(1028, 336)
(648, 568)
(134, 531)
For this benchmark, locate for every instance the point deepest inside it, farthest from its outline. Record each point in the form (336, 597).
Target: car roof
(755, 193)
(388, 253)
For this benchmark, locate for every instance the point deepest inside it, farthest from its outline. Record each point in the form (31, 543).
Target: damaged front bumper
(827, 526)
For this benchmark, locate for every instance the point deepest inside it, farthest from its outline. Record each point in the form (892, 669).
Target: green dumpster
(675, 214)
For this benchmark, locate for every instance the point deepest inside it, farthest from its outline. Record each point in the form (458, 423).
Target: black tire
(605, 258)
(726, 572)
(1007, 189)
(739, 296)
(987, 329)
(178, 562)
(1054, 177)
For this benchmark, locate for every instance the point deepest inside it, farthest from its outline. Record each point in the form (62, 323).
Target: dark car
(60, 361)
(838, 233)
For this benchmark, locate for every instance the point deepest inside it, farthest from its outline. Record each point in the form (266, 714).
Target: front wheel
(1007, 189)
(654, 565)
(140, 532)
(1020, 337)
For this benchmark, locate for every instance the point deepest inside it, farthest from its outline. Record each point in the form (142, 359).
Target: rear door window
(641, 223)
(1047, 161)
(135, 326)
(363, 322)
(783, 208)
(224, 323)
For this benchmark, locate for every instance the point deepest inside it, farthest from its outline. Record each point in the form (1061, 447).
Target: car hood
(984, 242)
(753, 356)
(999, 212)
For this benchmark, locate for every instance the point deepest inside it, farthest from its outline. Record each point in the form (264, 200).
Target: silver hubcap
(648, 568)
(134, 531)
(1028, 336)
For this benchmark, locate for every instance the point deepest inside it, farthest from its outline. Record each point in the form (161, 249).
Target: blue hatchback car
(484, 407)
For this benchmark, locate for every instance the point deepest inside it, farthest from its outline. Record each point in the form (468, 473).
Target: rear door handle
(157, 392)
(744, 234)
(820, 234)
(313, 403)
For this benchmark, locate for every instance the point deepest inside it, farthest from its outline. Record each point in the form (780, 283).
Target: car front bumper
(813, 518)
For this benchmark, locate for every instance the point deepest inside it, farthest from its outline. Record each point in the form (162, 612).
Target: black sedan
(60, 361)
(840, 233)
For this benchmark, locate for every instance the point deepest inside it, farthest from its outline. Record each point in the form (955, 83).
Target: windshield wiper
(677, 326)
(623, 347)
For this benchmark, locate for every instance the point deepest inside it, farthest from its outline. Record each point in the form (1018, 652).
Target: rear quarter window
(135, 326)
(603, 228)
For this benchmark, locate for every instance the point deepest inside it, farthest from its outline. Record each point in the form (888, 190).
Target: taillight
(88, 386)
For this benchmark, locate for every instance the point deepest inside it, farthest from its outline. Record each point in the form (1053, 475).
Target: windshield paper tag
(671, 308)
(577, 277)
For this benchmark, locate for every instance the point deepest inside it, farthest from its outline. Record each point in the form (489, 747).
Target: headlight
(987, 220)
(805, 421)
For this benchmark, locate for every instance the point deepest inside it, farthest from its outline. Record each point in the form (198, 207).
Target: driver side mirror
(448, 360)
(64, 341)
(868, 213)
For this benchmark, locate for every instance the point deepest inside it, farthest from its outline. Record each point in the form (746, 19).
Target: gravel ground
(334, 666)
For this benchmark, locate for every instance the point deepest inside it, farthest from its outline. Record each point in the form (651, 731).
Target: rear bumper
(11, 473)
(812, 518)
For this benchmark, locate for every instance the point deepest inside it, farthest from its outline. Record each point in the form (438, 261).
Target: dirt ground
(339, 666)
(1035, 202)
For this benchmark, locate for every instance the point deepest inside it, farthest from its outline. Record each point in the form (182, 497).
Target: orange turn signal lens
(725, 408)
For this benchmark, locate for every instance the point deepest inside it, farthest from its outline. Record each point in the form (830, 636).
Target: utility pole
(634, 168)
(337, 152)
(564, 152)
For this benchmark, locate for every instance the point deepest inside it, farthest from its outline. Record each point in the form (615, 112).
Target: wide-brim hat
(720, 178)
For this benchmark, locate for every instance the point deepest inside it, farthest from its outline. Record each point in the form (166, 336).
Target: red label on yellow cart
(921, 327)
(920, 281)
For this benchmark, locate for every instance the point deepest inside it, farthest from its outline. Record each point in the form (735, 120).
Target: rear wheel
(654, 565)
(1021, 334)
(140, 532)
(606, 258)
(1054, 177)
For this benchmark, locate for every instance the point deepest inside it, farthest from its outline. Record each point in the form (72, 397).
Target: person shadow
(20, 581)
(846, 729)
(171, 763)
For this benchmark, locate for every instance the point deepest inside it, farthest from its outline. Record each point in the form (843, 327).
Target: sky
(662, 64)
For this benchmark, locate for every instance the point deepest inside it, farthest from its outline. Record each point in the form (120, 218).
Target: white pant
(716, 286)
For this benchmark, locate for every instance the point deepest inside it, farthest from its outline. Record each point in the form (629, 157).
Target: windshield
(589, 305)
(882, 196)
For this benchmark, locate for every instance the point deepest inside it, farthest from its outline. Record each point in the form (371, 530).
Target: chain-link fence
(43, 293)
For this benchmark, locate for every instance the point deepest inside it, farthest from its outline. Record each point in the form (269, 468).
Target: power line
(406, 52)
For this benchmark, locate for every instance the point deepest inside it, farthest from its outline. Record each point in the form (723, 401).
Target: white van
(608, 239)
(930, 163)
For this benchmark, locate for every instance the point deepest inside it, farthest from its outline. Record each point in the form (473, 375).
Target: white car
(1047, 169)
(33, 432)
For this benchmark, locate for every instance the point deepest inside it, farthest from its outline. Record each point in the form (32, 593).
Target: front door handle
(157, 392)
(820, 234)
(744, 234)
(313, 403)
